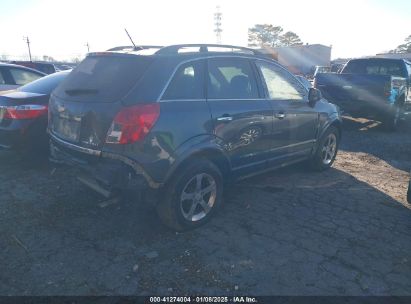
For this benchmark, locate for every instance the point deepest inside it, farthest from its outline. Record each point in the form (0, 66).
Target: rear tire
(392, 121)
(192, 196)
(327, 150)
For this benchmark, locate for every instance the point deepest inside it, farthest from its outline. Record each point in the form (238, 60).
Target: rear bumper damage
(105, 173)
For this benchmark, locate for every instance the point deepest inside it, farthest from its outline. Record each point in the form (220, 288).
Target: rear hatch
(83, 107)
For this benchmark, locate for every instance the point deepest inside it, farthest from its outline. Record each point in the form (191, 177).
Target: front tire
(192, 196)
(327, 150)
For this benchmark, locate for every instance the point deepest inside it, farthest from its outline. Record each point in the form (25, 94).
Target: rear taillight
(23, 111)
(133, 123)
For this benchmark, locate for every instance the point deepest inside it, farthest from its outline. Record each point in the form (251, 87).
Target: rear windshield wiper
(81, 91)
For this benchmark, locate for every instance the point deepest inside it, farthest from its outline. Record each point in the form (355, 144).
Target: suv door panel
(242, 120)
(295, 123)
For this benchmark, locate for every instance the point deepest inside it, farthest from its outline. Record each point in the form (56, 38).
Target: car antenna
(135, 47)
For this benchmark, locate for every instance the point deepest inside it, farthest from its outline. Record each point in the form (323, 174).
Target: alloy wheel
(198, 197)
(329, 149)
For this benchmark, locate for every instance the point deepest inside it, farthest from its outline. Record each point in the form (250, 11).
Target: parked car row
(172, 125)
(47, 68)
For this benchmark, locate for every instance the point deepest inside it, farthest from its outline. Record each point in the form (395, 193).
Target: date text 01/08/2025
(199, 299)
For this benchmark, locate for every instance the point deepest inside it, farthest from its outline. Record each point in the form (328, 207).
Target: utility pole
(88, 47)
(217, 23)
(26, 39)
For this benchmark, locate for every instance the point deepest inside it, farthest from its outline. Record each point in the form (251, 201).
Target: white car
(13, 76)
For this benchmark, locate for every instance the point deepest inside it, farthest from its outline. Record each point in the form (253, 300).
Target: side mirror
(314, 95)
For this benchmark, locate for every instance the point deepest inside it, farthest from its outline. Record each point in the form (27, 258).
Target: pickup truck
(376, 86)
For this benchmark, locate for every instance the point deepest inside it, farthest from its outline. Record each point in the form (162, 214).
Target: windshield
(44, 85)
(103, 78)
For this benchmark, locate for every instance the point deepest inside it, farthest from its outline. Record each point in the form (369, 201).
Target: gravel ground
(291, 232)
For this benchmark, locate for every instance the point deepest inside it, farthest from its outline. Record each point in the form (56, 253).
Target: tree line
(268, 35)
(403, 48)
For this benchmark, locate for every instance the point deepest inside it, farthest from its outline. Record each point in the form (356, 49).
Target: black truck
(371, 86)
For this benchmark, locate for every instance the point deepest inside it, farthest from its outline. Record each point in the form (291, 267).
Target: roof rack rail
(203, 48)
(134, 48)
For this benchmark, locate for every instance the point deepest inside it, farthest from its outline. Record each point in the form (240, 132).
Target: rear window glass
(44, 85)
(375, 67)
(103, 78)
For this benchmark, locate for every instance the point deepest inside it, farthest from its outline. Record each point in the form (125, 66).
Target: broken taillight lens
(133, 123)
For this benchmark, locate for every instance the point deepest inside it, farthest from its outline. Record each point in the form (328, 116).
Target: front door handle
(280, 115)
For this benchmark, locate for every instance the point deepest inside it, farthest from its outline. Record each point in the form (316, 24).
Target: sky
(61, 28)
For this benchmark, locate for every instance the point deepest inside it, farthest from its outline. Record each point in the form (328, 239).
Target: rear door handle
(279, 115)
(225, 118)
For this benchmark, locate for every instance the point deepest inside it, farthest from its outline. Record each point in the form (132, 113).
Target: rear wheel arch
(335, 123)
(214, 155)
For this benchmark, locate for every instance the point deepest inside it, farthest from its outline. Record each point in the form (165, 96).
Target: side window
(231, 78)
(187, 83)
(280, 84)
(21, 77)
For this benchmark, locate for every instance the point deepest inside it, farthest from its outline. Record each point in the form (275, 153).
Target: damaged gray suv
(174, 124)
